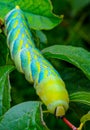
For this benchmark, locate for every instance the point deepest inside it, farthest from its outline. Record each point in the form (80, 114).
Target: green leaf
(25, 116)
(85, 118)
(5, 88)
(74, 55)
(42, 37)
(38, 12)
(81, 97)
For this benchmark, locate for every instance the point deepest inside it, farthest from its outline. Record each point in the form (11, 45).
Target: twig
(69, 123)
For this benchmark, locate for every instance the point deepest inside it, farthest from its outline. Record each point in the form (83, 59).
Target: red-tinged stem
(69, 123)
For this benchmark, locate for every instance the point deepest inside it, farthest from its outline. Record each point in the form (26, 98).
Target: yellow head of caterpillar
(60, 111)
(54, 95)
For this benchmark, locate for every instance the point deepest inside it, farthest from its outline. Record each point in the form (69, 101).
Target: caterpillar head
(59, 111)
(53, 93)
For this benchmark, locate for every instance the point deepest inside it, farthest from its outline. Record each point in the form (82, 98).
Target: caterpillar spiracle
(29, 60)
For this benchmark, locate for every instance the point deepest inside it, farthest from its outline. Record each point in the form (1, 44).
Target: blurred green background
(75, 31)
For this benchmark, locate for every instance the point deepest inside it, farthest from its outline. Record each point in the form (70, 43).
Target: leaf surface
(74, 55)
(5, 88)
(24, 116)
(81, 97)
(38, 12)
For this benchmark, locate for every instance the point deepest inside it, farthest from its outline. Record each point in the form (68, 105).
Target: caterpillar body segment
(29, 60)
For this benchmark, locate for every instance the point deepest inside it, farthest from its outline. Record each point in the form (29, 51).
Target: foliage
(75, 55)
(70, 57)
(34, 12)
(81, 97)
(25, 116)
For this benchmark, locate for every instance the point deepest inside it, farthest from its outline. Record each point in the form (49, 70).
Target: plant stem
(69, 123)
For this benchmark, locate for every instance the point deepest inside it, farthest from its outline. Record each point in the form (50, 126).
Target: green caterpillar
(29, 60)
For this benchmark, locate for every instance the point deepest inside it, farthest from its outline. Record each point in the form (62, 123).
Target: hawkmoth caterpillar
(29, 60)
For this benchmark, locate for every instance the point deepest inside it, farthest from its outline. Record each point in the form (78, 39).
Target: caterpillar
(28, 60)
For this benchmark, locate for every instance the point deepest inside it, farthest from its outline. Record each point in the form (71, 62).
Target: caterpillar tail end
(17, 7)
(60, 111)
